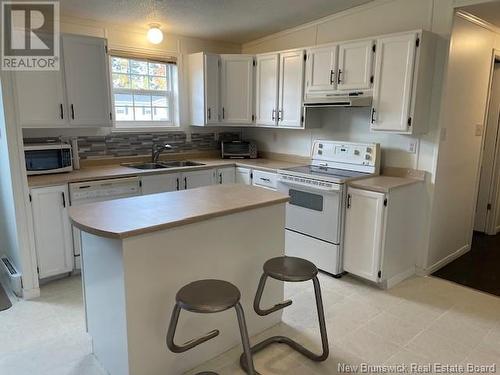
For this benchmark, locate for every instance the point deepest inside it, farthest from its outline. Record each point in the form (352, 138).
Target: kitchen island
(138, 252)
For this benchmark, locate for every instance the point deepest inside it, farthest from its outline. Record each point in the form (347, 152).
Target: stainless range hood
(339, 100)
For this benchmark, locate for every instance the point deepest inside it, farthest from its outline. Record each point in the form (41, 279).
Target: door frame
(490, 225)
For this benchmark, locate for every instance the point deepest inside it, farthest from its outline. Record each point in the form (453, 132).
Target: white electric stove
(315, 212)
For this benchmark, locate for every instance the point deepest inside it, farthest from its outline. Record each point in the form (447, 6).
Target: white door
(363, 236)
(394, 68)
(355, 65)
(291, 88)
(87, 80)
(212, 88)
(40, 99)
(321, 71)
(237, 89)
(160, 183)
(266, 89)
(53, 238)
(195, 179)
(243, 176)
(226, 176)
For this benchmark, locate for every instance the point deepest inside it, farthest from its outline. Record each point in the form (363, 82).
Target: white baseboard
(396, 279)
(31, 293)
(443, 262)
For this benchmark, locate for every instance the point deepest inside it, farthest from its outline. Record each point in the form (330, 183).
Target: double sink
(163, 164)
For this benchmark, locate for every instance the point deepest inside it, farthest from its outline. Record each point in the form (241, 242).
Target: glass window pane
(306, 199)
(138, 67)
(124, 113)
(119, 65)
(158, 83)
(121, 81)
(139, 82)
(142, 113)
(142, 100)
(123, 100)
(157, 69)
(159, 100)
(160, 114)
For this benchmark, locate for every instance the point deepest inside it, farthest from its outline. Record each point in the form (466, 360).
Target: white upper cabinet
(237, 89)
(321, 70)
(204, 88)
(355, 65)
(291, 89)
(87, 80)
(266, 89)
(403, 82)
(40, 99)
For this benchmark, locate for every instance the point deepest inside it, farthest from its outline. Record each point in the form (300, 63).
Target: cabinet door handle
(280, 115)
(223, 113)
(72, 112)
(348, 200)
(373, 115)
(220, 178)
(332, 77)
(178, 184)
(185, 183)
(209, 113)
(273, 115)
(61, 109)
(265, 179)
(64, 200)
(339, 77)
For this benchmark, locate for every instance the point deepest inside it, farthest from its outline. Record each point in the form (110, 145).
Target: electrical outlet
(478, 131)
(412, 146)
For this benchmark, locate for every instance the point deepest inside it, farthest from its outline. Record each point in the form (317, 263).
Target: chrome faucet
(157, 149)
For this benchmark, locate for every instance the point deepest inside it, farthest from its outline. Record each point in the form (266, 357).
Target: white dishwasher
(99, 191)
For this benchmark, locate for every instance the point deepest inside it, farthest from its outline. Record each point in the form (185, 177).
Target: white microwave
(48, 158)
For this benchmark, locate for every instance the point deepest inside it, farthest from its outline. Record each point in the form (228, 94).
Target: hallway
(479, 268)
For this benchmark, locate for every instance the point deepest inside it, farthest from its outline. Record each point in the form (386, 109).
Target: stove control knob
(356, 152)
(368, 150)
(368, 157)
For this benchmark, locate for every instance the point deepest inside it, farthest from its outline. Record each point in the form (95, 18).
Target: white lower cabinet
(243, 176)
(198, 178)
(268, 180)
(364, 227)
(160, 183)
(382, 237)
(52, 230)
(225, 175)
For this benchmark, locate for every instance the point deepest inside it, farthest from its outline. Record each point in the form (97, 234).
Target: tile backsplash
(135, 144)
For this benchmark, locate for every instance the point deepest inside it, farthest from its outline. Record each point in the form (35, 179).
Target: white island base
(130, 286)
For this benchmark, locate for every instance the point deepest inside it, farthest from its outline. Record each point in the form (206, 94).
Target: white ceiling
(235, 21)
(489, 12)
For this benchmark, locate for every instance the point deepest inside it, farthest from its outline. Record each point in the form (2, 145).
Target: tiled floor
(422, 320)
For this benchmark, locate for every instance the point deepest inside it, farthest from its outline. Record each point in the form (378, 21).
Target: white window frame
(172, 98)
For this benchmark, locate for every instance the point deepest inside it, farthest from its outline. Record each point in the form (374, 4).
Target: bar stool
(207, 297)
(290, 269)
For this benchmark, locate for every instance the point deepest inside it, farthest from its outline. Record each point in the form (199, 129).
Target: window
(142, 92)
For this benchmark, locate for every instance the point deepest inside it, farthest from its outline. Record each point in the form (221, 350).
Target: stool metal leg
(258, 297)
(245, 341)
(285, 340)
(189, 344)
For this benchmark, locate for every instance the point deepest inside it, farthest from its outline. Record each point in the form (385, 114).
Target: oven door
(313, 211)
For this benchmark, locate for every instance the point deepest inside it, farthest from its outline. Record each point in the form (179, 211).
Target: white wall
(457, 170)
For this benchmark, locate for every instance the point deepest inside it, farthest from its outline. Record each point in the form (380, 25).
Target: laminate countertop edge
(79, 215)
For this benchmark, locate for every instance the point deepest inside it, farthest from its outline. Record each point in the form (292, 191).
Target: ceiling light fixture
(155, 35)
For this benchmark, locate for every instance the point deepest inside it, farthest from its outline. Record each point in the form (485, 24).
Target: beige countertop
(133, 216)
(117, 170)
(383, 184)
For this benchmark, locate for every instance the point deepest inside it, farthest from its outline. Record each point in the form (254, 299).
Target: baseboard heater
(12, 276)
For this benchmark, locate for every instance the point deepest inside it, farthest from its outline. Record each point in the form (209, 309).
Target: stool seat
(208, 296)
(291, 269)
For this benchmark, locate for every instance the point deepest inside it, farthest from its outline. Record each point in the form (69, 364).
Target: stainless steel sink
(180, 163)
(163, 164)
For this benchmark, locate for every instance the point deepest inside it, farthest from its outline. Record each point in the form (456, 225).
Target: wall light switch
(478, 131)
